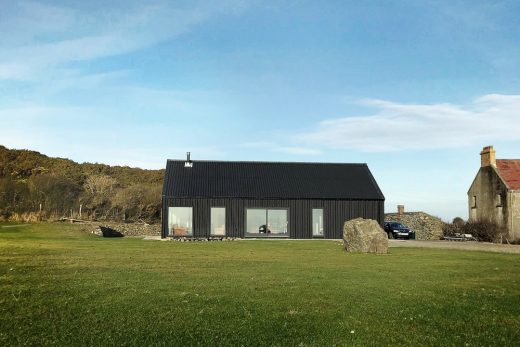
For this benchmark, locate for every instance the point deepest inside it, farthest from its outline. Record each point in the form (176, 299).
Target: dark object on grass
(109, 232)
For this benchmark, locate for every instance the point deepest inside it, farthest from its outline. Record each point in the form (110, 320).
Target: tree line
(36, 187)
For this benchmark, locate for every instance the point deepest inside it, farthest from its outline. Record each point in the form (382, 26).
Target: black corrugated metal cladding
(268, 180)
(335, 213)
(344, 191)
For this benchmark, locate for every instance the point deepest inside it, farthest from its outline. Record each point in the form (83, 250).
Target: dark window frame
(323, 222)
(225, 224)
(172, 234)
(259, 235)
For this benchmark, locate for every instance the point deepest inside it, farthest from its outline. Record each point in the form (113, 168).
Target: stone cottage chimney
(400, 209)
(488, 157)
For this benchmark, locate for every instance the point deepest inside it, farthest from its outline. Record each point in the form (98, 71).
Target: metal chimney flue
(188, 162)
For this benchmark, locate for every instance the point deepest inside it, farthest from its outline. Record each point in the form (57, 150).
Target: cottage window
(180, 221)
(498, 200)
(266, 222)
(317, 222)
(474, 201)
(218, 221)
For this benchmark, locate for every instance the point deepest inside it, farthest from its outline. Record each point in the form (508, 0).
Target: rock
(364, 236)
(109, 232)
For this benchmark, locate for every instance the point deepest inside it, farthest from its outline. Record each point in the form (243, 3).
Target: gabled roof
(509, 170)
(270, 180)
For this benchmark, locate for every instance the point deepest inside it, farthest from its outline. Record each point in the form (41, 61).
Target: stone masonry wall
(128, 229)
(426, 227)
(514, 227)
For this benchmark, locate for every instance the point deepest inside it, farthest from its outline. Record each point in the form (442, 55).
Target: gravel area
(462, 245)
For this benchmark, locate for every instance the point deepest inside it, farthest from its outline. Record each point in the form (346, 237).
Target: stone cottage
(495, 192)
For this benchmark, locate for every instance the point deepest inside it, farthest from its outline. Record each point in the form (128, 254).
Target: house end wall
(514, 214)
(488, 198)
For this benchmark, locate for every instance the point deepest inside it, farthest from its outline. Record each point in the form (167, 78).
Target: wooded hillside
(64, 187)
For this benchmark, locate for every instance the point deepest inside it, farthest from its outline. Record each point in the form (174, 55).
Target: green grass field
(59, 286)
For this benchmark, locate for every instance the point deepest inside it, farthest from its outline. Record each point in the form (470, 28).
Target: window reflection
(218, 221)
(180, 221)
(317, 222)
(266, 222)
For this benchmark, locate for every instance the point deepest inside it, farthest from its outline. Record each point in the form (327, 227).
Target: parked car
(396, 230)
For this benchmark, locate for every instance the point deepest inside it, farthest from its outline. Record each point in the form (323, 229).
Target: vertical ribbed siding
(336, 212)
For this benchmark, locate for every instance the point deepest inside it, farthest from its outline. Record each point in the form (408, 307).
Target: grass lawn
(59, 286)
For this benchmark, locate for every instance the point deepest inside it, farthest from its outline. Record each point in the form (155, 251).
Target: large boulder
(364, 236)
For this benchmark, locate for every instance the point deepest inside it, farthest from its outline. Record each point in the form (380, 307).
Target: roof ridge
(265, 162)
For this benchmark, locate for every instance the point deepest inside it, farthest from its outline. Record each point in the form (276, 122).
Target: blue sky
(413, 88)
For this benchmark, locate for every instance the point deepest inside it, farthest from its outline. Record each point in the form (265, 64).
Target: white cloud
(86, 36)
(297, 150)
(276, 147)
(14, 71)
(257, 144)
(21, 22)
(396, 126)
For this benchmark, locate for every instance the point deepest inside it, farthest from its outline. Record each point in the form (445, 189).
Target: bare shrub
(24, 217)
(485, 230)
(459, 222)
(482, 230)
(451, 229)
(4, 215)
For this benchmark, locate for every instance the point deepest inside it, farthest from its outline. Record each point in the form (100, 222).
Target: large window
(266, 222)
(277, 221)
(180, 221)
(317, 222)
(218, 221)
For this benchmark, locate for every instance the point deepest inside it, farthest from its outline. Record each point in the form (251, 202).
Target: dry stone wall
(426, 227)
(129, 229)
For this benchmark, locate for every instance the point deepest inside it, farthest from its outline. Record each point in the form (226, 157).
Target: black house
(266, 199)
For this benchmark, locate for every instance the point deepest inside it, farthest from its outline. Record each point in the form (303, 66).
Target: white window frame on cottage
(474, 201)
(498, 200)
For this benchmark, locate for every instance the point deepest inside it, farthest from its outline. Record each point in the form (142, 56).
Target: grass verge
(59, 286)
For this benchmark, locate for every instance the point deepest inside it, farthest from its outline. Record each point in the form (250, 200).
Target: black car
(396, 230)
